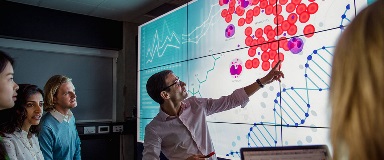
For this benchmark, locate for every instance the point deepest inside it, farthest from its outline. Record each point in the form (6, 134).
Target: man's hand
(273, 75)
(196, 157)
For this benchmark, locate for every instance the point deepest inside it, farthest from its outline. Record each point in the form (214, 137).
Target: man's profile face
(66, 97)
(176, 87)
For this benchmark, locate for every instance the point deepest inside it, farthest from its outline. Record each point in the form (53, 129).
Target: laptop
(315, 152)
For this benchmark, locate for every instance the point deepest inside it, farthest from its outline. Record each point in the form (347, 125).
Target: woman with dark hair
(20, 138)
(7, 92)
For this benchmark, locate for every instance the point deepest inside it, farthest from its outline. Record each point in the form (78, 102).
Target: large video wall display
(217, 46)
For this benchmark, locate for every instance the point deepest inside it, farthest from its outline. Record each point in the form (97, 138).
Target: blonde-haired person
(58, 136)
(357, 88)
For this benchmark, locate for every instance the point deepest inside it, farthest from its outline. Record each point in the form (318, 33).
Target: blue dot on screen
(306, 65)
(348, 7)
(306, 114)
(308, 105)
(315, 51)
(309, 57)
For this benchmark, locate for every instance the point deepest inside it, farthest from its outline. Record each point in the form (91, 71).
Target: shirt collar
(61, 117)
(164, 116)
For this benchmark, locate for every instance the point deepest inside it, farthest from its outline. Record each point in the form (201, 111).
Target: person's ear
(164, 95)
(54, 100)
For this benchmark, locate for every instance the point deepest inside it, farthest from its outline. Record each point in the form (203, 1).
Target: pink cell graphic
(230, 31)
(295, 45)
(236, 68)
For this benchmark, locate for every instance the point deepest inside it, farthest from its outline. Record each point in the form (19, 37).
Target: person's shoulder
(9, 137)
(48, 121)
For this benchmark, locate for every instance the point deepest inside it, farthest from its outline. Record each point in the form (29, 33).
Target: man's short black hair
(156, 84)
(4, 58)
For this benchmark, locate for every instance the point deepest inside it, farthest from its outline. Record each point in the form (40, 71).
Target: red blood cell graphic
(255, 2)
(267, 29)
(259, 32)
(309, 30)
(312, 8)
(248, 40)
(231, 10)
(248, 64)
(241, 22)
(271, 34)
(254, 44)
(251, 52)
(261, 40)
(221, 3)
(283, 43)
(272, 55)
(301, 8)
(269, 9)
(274, 64)
(265, 56)
(304, 17)
(256, 11)
(285, 25)
(282, 40)
(255, 63)
(296, 2)
(278, 19)
(265, 66)
(292, 18)
(278, 30)
(290, 7)
(265, 37)
(263, 4)
(283, 2)
(273, 2)
(248, 31)
(232, 3)
(264, 47)
(292, 30)
(278, 57)
(224, 13)
(248, 20)
(277, 9)
(239, 10)
(274, 45)
(228, 18)
(249, 13)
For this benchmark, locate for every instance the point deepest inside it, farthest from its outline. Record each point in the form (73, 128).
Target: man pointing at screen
(180, 129)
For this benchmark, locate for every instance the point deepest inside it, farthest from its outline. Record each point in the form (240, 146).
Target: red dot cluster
(264, 38)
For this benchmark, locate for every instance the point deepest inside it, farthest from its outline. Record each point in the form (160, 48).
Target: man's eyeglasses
(176, 82)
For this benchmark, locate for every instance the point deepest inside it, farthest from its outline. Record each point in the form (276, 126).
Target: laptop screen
(317, 152)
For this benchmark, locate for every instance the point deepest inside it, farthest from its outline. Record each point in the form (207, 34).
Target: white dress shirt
(20, 147)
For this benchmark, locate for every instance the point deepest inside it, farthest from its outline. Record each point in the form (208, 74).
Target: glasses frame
(176, 81)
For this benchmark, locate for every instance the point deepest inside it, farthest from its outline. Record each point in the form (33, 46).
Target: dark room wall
(25, 22)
